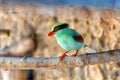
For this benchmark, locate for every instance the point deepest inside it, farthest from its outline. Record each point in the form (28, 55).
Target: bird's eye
(56, 28)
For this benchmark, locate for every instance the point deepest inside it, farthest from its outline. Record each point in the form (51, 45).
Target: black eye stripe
(60, 27)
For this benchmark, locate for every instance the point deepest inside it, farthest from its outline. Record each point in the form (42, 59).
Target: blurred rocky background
(100, 28)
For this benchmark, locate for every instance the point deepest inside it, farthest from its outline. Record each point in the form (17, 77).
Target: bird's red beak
(50, 33)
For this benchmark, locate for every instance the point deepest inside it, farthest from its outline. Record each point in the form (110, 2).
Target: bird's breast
(68, 42)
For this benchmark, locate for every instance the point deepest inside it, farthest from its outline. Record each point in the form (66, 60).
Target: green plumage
(65, 38)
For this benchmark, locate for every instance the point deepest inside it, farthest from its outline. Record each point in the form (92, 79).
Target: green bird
(68, 39)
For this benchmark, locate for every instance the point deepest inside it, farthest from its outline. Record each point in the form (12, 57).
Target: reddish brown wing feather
(79, 38)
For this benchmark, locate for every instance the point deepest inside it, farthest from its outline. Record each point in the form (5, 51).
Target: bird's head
(57, 27)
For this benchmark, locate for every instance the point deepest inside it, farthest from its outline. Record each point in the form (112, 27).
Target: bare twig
(54, 62)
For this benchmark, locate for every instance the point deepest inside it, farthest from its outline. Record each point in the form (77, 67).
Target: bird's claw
(62, 57)
(74, 55)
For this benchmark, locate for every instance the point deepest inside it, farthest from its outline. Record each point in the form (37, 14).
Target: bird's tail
(89, 50)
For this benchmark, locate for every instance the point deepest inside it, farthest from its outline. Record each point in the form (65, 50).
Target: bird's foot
(75, 54)
(63, 55)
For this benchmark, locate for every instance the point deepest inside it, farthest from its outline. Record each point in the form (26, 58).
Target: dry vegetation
(99, 27)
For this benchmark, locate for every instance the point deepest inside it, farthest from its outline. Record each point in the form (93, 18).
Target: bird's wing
(77, 36)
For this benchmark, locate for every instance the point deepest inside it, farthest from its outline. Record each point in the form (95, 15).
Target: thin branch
(54, 62)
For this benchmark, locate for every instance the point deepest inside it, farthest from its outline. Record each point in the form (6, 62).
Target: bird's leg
(75, 53)
(63, 55)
